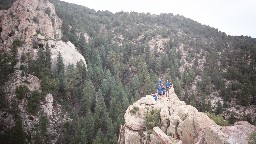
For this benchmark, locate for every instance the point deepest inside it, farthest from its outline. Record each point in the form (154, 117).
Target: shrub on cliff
(34, 102)
(252, 139)
(218, 119)
(153, 119)
(21, 91)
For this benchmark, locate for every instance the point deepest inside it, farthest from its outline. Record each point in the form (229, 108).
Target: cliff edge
(178, 123)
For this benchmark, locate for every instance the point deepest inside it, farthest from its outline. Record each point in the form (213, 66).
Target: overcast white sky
(234, 17)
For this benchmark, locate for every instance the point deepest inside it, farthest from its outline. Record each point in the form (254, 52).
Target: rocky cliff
(26, 27)
(35, 23)
(178, 123)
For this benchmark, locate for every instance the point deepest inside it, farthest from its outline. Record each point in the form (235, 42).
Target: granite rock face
(35, 23)
(180, 123)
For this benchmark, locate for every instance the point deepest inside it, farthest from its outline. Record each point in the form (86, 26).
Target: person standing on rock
(168, 85)
(163, 89)
(154, 96)
(159, 81)
(159, 90)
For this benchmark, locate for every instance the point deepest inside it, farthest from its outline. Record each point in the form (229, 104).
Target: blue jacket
(163, 89)
(168, 84)
(159, 90)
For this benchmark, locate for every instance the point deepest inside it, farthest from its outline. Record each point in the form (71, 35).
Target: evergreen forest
(126, 53)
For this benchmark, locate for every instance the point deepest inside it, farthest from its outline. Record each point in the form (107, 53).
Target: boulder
(162, 136)
(132, 137)
(67, 50)
(239, 132)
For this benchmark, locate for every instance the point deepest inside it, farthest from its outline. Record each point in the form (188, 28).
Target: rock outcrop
(181, 123)
(27, 26)
(35, 23)
(68, 52)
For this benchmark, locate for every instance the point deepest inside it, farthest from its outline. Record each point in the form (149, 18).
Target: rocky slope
(180, 123)
(26, 27)
(36, 24)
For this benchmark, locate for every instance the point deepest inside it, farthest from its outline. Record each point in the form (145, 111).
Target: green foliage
(21, 92)
(34, 102)
(7, 63)
(42, 66)
(17, 43)
(41, 133)
(6, 4)
(60, 65)
(17, 134)
(88, 127)
(231, 118)
(49, 85)
(153, 119)
(209, 106)
(3, 102)
(177, 87)
(67, 133)
(252, 139)
(43, 123)
(99, 139)
(134, 110)
(219, 108)
(218, 119)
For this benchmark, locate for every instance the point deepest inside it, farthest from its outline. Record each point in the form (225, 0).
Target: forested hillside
(200, 60)
(209, 69)
(126, 53)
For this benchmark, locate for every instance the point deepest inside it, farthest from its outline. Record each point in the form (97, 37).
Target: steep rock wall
(35, 23)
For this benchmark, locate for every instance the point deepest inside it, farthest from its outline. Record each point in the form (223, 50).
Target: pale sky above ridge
(234, 17)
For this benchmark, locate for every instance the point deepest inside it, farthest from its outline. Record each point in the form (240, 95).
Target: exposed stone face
(35, 24)
(180, 123)
(68, 51)
(157, 44)
(31, 82)
(27, 18)
(48, 106)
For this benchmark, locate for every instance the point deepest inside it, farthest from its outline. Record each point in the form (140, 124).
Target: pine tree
(60, 74)
(209, 106)
(203, 103)
(88, 94)
(100, 113)
(232, 118)
(111, 136)
(89, 126)
(60, 65)
(99, 139)
(193, 100)
(17, 135)
(219, 108)
(177, 87)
